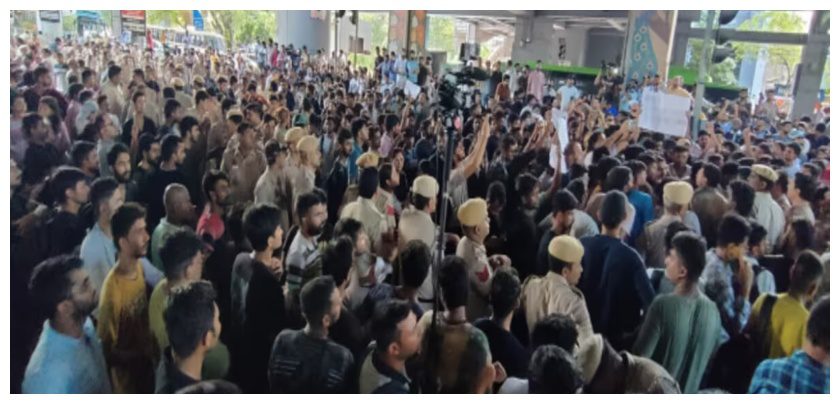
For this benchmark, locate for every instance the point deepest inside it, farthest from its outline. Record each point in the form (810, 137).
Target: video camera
(449, 93)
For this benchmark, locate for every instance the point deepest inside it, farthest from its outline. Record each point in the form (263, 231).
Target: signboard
(664, 113)
(50, 15)
(134, 21)
(198, 20)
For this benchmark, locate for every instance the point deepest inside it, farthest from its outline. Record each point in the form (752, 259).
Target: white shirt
(769, 214)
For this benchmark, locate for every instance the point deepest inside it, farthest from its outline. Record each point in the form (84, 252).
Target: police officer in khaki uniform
(366, 160)
(363, 208)
(310, 160)
(475, 223)
(416, 222)
(556, 292)
(676, 196)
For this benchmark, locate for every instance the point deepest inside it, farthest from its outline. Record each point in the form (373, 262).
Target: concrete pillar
(812, 66)
(301, 28)
(407, 28)
(647, 51)
(680, 43)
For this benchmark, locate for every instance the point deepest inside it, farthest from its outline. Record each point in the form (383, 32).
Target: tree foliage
(441, 36)
(235, 26)
(169, 18)
(787, 56)
(378, 28)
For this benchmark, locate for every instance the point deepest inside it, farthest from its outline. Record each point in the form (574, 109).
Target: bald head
(179, 207)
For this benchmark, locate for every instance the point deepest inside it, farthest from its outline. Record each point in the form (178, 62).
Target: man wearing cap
(181, 94)
(475, 223)
(363, 208)
(244, 162)
(416, 222)
(562, 219)
(766, 211)
(310, 160)
(557, 291)
(222, 132)
(676, 196)
(606, 371)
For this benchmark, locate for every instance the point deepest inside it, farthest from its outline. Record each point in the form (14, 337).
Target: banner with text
(134, 21)
(664, 113)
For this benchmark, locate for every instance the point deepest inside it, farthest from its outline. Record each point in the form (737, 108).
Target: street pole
(356, 42)
(701, 75)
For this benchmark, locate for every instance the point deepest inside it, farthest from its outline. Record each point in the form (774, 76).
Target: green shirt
(217, 361)
(163, 230)
(680, 333)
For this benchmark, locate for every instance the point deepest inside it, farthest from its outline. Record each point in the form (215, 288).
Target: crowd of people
(185, 222)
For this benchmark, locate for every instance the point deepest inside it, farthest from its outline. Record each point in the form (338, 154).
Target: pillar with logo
(647, 47)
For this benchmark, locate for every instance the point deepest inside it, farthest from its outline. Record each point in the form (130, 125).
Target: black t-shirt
(349, 333)
(153, 190)
(422, 74)
(521, 241)
(300, 364)
(66, 232)
(505, 348)
(265, 312)
(148, 127)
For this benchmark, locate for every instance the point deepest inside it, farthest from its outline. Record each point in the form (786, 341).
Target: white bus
(189, 38)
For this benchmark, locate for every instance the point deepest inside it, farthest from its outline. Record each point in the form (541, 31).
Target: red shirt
(210, 223)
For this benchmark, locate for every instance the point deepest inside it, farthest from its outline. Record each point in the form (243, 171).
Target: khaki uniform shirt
(417, 225)
(478, 267)
(551, 294)
(372, 220)
(652, 241)
(244, 170)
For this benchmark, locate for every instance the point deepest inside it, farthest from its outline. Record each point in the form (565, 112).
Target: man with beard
(68, 357)
(303, 252)
(123, 306)
(563, 205)
(119, 163)
(339, 174)
(84, 157)
(98, 251)
(171, 157)
(216, 188)
(245, 162)
(180, 214)
(138, 123)
(69, 189)
(149, 151)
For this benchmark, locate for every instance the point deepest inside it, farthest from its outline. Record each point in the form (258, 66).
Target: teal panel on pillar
(650, 34)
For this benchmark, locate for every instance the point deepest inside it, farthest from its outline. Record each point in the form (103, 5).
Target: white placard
(412, 90)
(664, 113)
(559, 120)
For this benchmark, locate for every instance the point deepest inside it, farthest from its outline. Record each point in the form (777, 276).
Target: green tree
(787, 56)
(241, 26)
(68, 23)
(441, 36)
(378, 28)
(169, 18)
